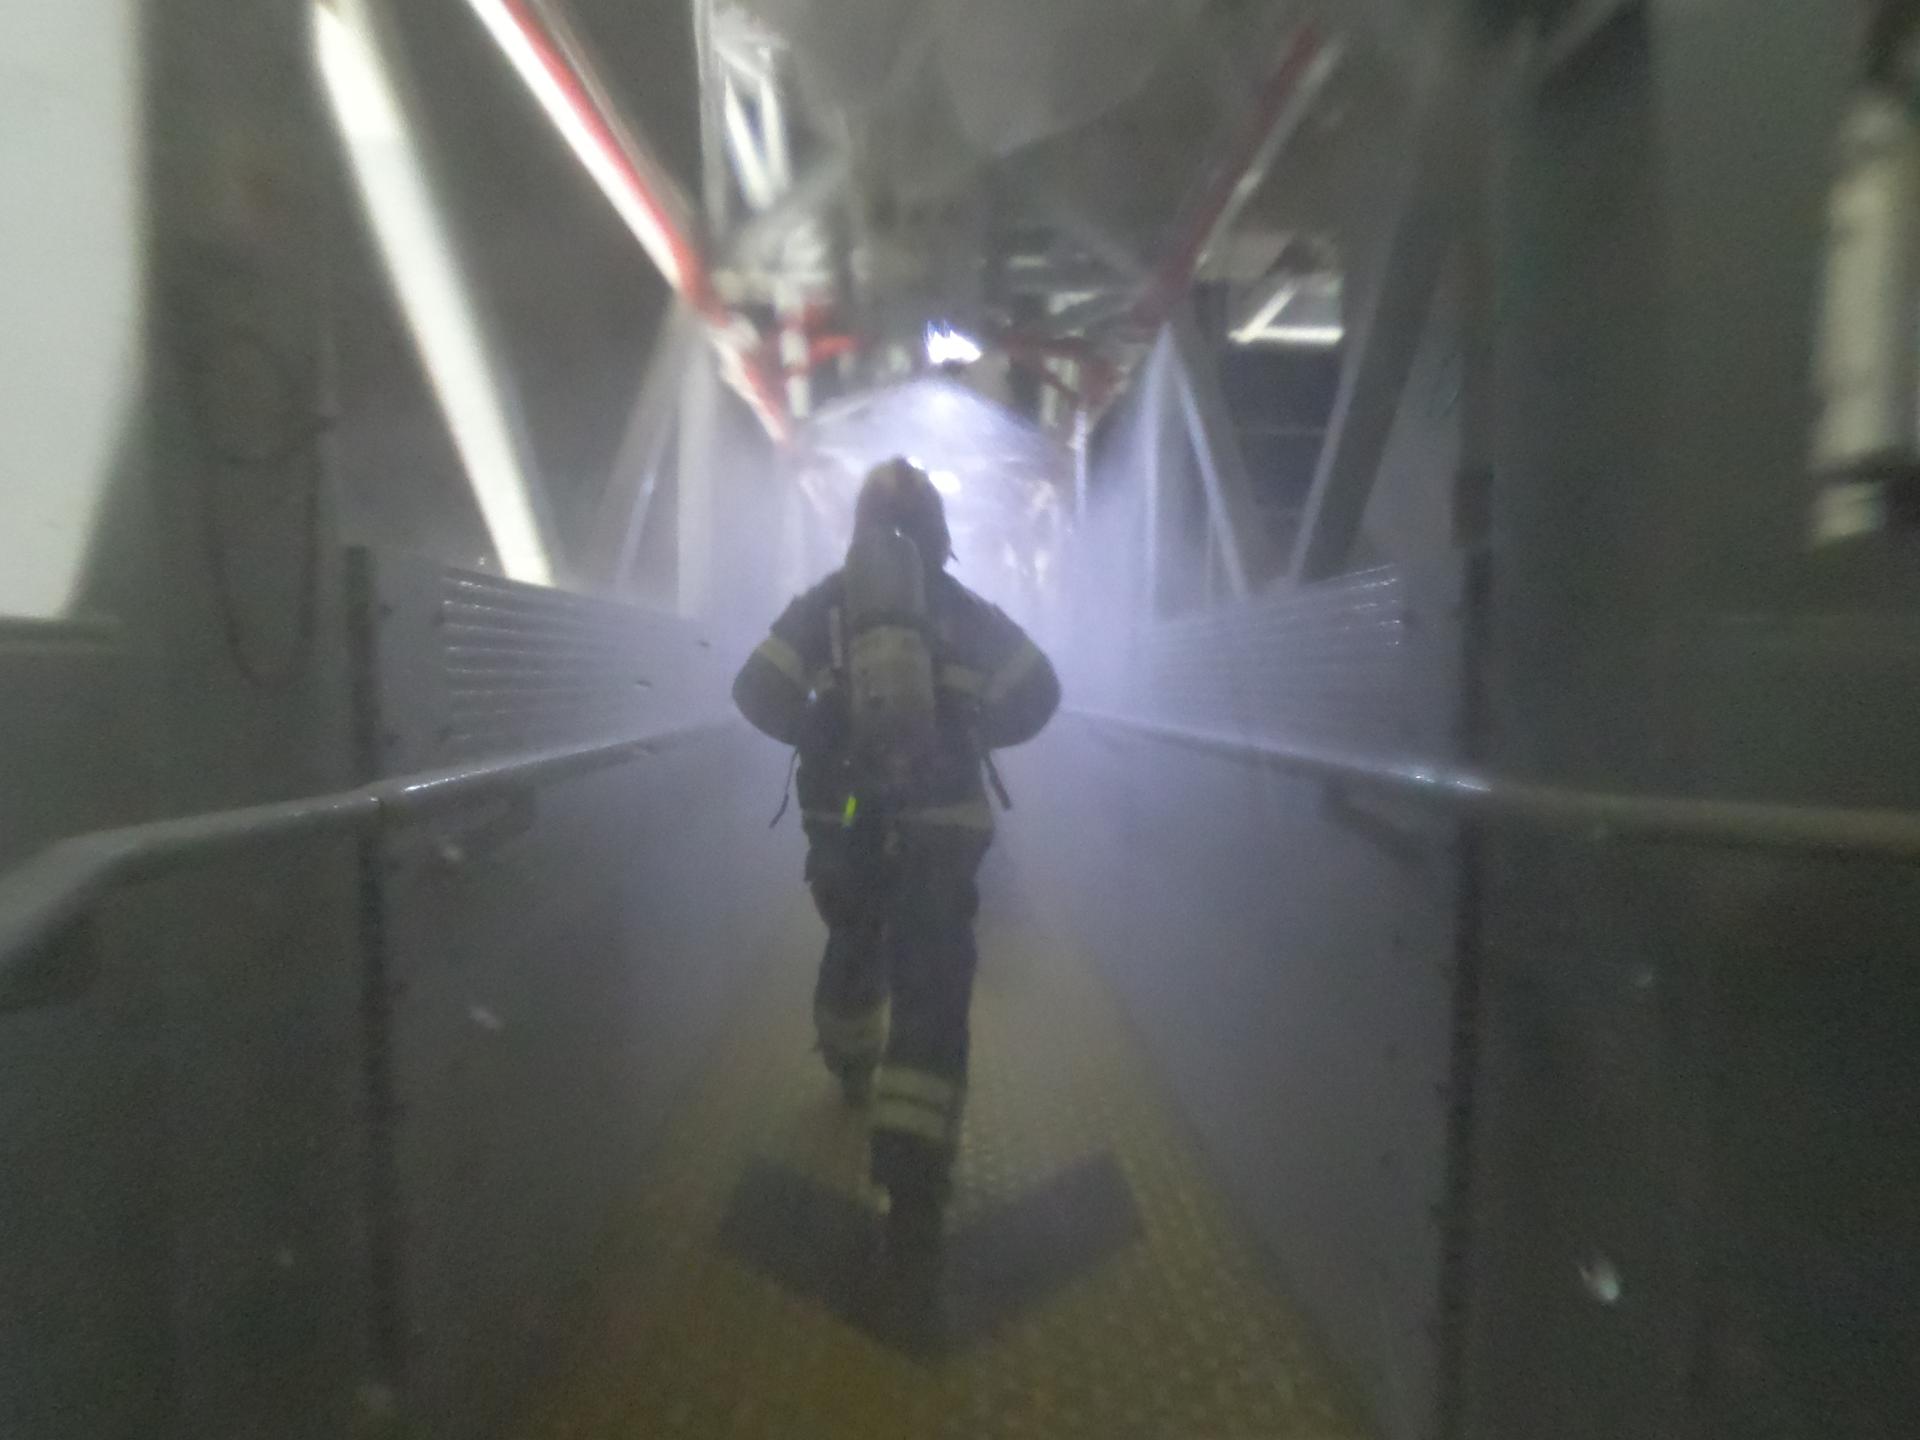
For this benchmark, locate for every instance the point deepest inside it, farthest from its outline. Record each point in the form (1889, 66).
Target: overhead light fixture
(1298, 308)
(426, 279)
(1321, 335)
(947, 346)
(1257, 325)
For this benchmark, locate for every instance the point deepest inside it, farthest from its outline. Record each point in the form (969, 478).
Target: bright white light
(1304, 334)
(426, 278)
(71, 264)
(1257, 325)
(945, 481)
(946, 346)
(756, 177)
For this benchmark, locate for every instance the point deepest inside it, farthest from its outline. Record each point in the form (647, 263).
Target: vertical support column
(792, 560)
(1236, 532)
(795, 350)
(1385, 331)
(699, 410)
(219, 549)
(1153, 417)
(621, 518)
(1082, 441)
(714, 192)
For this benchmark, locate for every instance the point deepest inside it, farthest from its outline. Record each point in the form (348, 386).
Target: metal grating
(1335, 663)
(469, 665)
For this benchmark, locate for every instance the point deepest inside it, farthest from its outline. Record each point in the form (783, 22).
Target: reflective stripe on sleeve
(784, 658)
(968, 815)
(1013, 672)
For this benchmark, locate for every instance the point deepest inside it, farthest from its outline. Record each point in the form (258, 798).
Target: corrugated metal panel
(1333, 663)
(552, 969)
(470, 665)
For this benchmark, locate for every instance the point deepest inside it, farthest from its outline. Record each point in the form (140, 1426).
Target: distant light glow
(945, 481)
(946, 346)
(426, 279)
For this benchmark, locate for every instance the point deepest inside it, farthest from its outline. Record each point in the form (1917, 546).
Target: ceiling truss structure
(1064, 301)
(1061, 304)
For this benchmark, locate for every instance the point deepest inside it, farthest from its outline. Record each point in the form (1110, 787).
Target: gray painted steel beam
(1245, 551)
(699, 413)
(1154, 405)
(621, 517)
(1384, 337)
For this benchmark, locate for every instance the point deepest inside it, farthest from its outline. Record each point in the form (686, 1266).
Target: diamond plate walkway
(1094, 1284)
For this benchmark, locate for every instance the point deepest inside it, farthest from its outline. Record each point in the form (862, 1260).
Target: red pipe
(650, 189)
(653, 193)
(1176, 272)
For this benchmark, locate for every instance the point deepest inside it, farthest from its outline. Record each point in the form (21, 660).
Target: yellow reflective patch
(968, 815)
(929, 1089)
(784, 658)
(909, 1117)
(1013, 672)
(959, 677)
(852, 1036)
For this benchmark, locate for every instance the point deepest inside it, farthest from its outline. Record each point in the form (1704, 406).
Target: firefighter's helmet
(899, 494)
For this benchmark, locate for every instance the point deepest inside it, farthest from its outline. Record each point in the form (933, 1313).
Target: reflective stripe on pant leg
(850, 999)
(917, 1103)
(930, 961)
(851, 1038)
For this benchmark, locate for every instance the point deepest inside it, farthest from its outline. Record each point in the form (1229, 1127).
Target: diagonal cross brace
(1384, 339)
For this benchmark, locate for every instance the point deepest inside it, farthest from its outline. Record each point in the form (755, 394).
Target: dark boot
(907, 1303)
(914, 1222)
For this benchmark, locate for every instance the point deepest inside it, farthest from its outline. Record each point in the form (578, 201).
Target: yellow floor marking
(1175, 1338)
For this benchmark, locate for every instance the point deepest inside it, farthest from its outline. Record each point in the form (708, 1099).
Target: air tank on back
(889, 653)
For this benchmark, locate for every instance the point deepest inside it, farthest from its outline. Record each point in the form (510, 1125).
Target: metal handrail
(59, 885)
(1823, 830)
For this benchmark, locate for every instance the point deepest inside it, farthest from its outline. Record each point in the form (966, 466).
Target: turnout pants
(896, 984)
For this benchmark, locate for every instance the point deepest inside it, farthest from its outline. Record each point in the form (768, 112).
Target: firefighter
(895, 841)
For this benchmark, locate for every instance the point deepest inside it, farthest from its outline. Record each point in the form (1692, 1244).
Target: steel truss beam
(1384, 336)
(1246, 552)
(621, 518)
